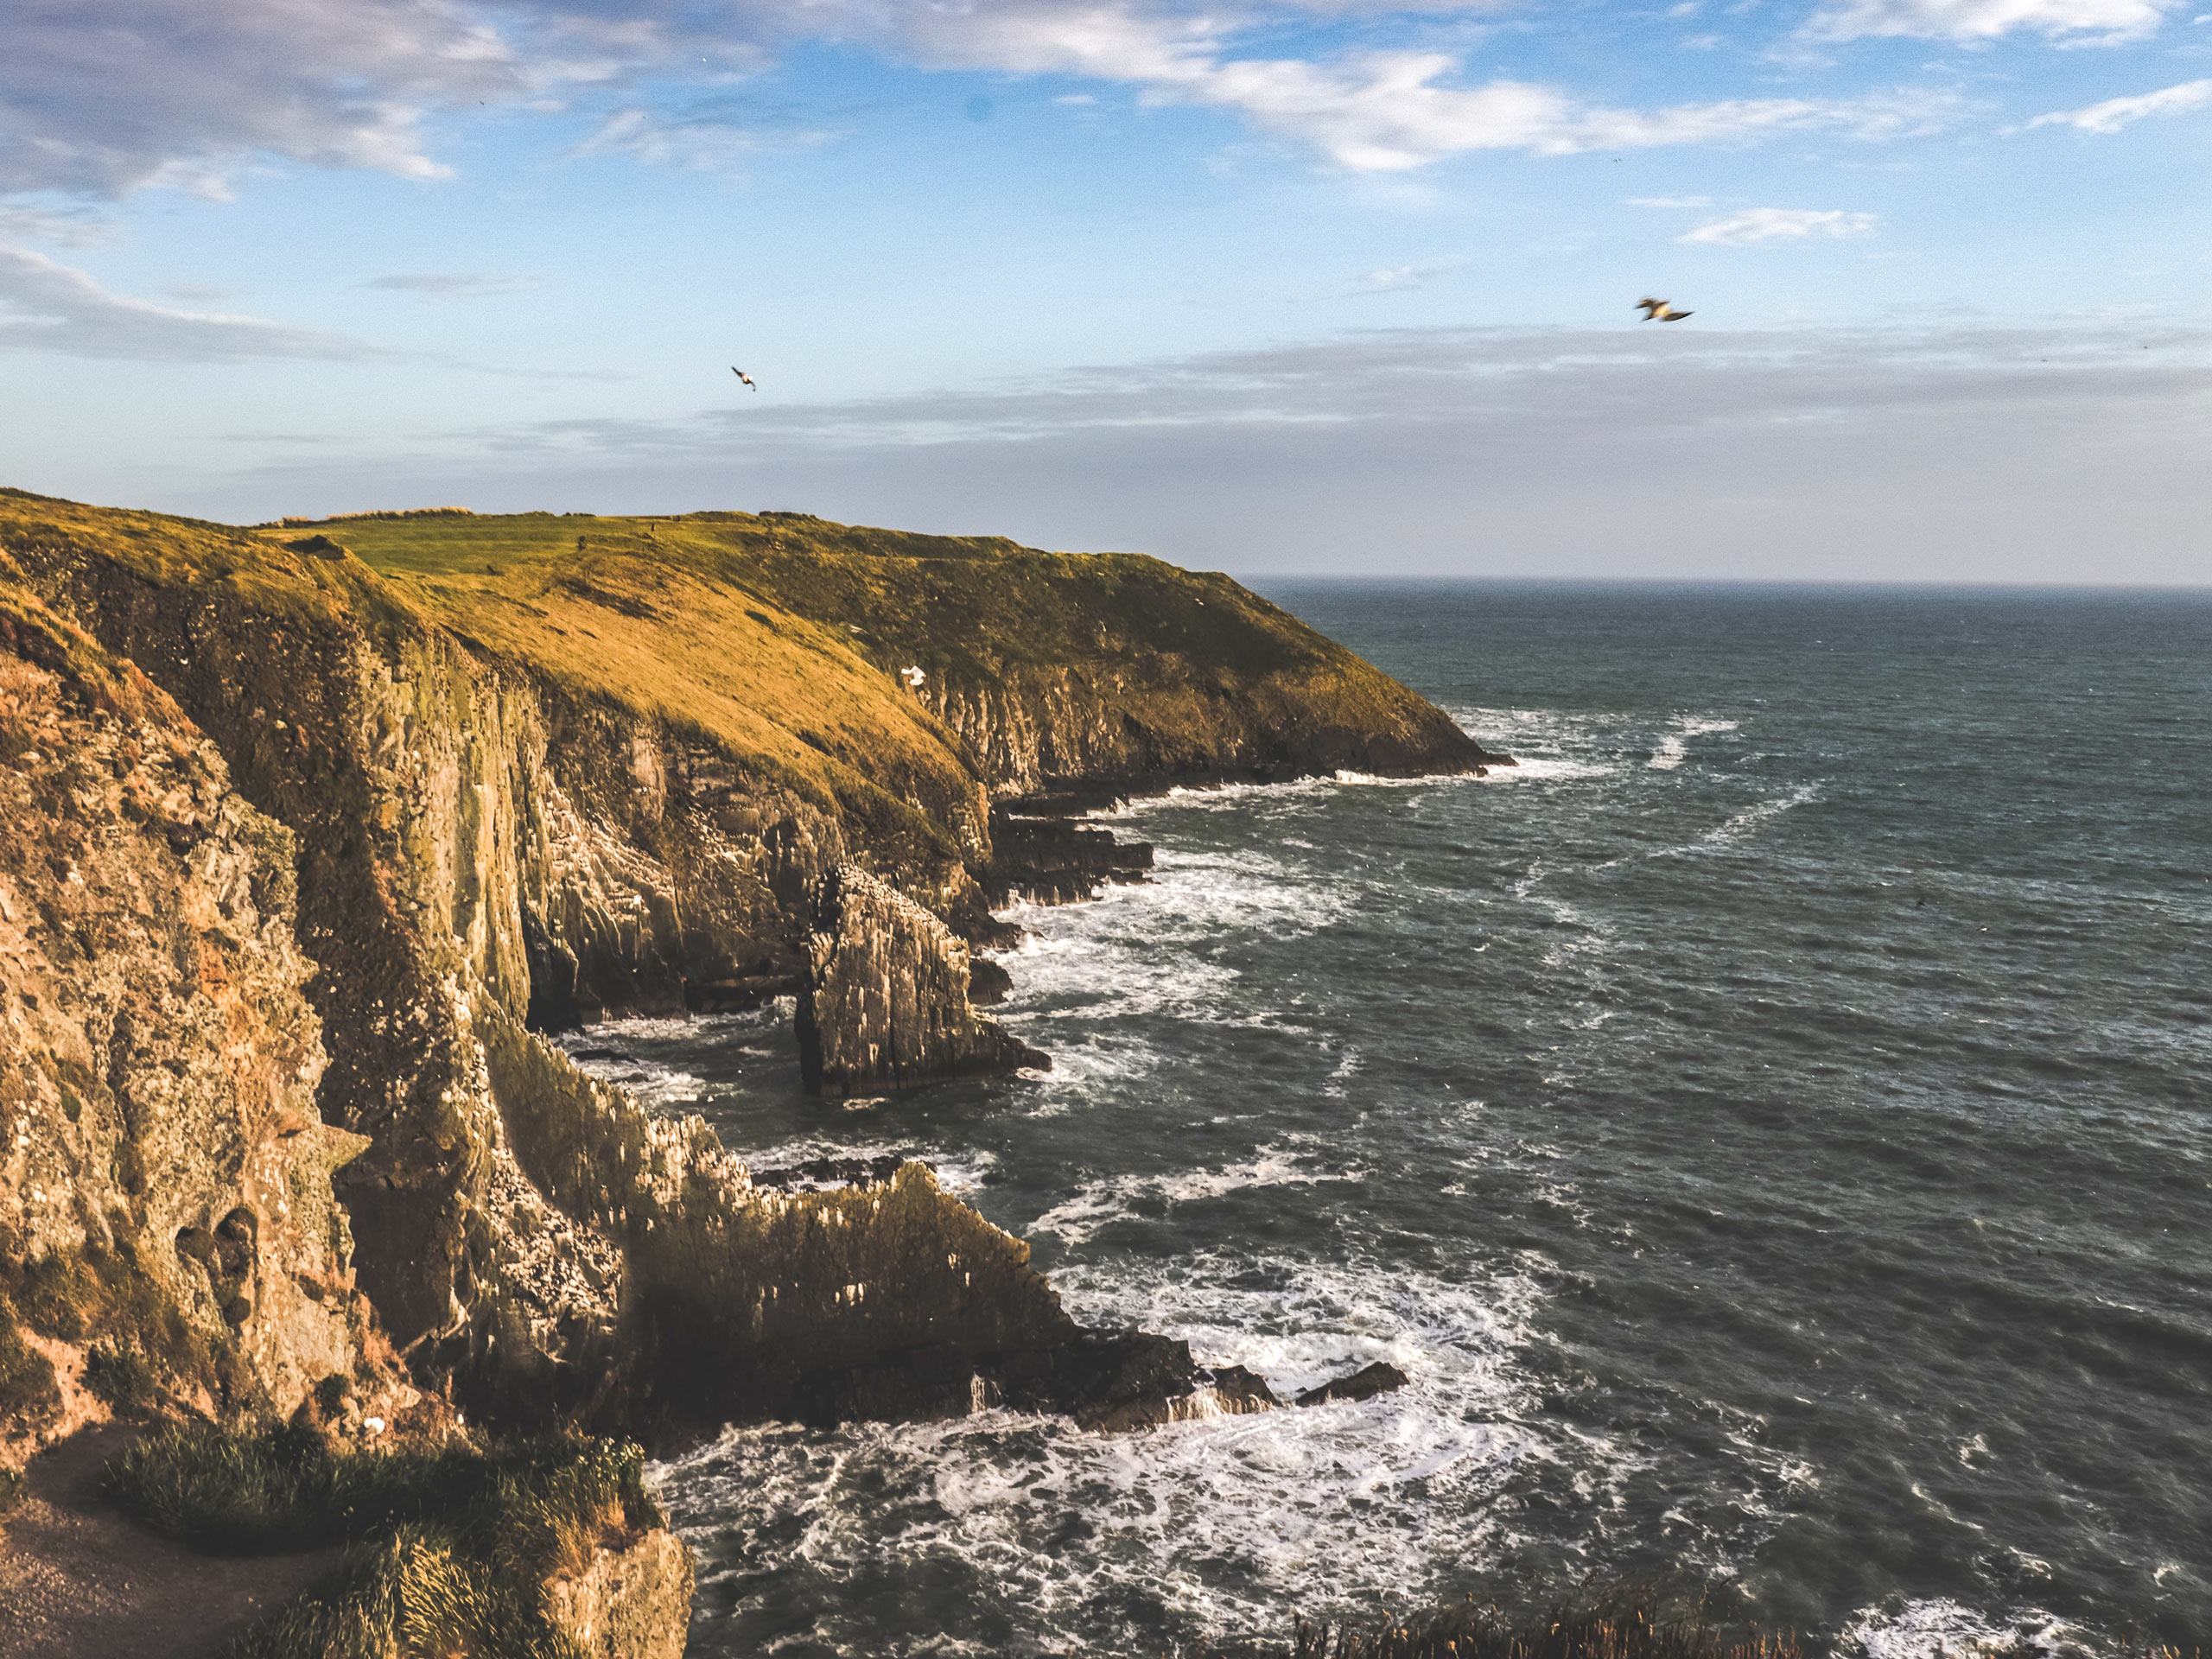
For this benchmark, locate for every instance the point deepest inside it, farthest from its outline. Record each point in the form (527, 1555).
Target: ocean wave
(1295, 793)
(1549, 769)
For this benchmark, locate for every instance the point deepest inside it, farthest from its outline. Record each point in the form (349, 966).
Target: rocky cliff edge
(460, 779)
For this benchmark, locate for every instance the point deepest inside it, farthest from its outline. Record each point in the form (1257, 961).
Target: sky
(1279, 287)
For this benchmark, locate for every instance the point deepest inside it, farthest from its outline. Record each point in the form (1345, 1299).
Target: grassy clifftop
(1121, 668)
(782, 638)
(617, 620)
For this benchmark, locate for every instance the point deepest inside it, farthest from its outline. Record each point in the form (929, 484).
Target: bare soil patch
(77, 1578)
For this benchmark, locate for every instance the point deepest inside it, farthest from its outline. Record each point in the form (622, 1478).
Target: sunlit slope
(618, 622)
(654, 617)
(805, 623)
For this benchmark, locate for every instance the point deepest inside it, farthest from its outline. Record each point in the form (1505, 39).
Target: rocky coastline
(321, 828)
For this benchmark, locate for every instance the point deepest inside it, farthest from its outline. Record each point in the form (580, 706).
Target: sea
(1769, 1126)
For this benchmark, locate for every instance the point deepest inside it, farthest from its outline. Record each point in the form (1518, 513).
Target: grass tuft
(118, 1374)
(411, 1593)
(27, 1380)
(452, 1543)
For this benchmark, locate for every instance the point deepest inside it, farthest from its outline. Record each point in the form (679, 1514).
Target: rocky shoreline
(318, 839)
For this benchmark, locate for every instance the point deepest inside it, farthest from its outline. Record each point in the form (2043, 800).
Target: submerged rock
(1380, 1378)
(885, 1003)
(1053, 861)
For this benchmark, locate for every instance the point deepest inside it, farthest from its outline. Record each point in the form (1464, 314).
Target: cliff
(528, 771)
(167, 1225)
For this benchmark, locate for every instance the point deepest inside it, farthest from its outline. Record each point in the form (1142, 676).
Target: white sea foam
(1221, 1518)
(1103, 1203)
(1743, 823)
(649, 1082)
(1294, 792)
(1943, 1628)
(1142, 951)
(963, 1171)
(1549, 769)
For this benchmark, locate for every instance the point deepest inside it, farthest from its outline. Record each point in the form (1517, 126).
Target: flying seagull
(1660, 311)
(913, 677)
(743, 376)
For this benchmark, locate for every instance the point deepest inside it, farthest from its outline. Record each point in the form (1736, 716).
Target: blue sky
(1338, 286)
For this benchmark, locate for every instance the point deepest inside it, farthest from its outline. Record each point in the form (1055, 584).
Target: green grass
(452, 1544)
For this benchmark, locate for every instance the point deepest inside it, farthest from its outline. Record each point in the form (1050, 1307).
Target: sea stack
(886, 1003)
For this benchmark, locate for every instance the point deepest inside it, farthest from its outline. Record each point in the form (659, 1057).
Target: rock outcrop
(167, 1223)
(885, 1003)
(740, 1299)
(1050, 860)
(631, 1603)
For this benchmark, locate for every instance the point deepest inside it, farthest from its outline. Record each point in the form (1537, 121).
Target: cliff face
(530, 771)
(166, 1214)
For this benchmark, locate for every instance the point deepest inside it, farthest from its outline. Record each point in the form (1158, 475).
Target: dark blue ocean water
(1770, 1126)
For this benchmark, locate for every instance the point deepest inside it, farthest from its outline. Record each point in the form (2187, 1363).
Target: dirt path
(80, 1581)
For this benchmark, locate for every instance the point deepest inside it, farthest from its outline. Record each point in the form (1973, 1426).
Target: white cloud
(49, 307)
(2093, 21)
(1366, 112)
(2117, 112)
(1780, 224)
(1388, 112)
(101, 97)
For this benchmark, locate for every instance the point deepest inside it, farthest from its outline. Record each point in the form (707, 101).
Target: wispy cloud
(1780, 224)
(1410, 376)
(2060, 451)
(2117, 112)
(712, 136)
(1393, 279)
(49, 307)
(2094, 21)
(102, 96)
(452, 284)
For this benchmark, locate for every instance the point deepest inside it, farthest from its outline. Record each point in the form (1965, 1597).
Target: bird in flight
(1660, 311)
(743, 376)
